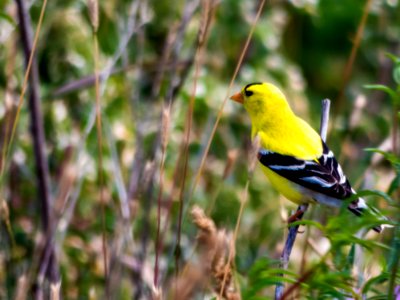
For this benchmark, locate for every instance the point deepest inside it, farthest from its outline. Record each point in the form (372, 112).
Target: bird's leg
(298, 215)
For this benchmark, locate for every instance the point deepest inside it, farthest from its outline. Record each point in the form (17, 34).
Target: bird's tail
(360, 208)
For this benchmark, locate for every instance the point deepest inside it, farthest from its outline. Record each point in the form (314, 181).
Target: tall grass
(154, 188)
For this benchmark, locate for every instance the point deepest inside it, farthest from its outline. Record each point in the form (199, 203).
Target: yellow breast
(288, 189)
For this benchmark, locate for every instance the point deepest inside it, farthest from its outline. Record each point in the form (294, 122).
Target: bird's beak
(237, 98)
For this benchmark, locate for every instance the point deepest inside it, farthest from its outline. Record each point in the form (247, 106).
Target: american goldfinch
(295, 159)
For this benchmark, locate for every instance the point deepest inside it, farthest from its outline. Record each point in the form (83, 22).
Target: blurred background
(164, 73)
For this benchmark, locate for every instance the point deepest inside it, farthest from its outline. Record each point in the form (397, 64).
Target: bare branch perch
(39, 143)
(287, 250)
(326, 105)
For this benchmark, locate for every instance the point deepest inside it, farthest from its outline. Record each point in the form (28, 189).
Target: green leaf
(393, 57)
(374, 281)
(393, 159)
(282, 271)
(350, 258)
(380, 87)
(308, 222)
(396, 68)
(381, 194)
(394, 185)
(379, 297)
(396, 73)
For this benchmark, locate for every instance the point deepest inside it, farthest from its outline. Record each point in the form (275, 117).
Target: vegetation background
(102, 207)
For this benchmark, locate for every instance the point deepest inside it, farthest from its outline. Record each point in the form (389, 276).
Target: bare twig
(179, 167)
(215, 265)
(176, 84)
(219, 115)
(323, 131)
(349, 65)
(87, 81)
(39, 142)
(228, 92)
(117, 170)
(177, 75)
(31, 47)
(252, 163)
(164, 143)
(93, 7)
(140, 158)
(306, 243)
(291, 238)
(135, 21)
(100, 150)
(5, 133)
(8, 100)
(206, 19)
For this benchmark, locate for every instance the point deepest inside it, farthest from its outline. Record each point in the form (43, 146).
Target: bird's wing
(323, 175)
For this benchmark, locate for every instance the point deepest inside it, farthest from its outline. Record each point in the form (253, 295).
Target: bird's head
(262, 99)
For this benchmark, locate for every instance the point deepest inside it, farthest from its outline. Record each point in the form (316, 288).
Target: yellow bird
(295, 159)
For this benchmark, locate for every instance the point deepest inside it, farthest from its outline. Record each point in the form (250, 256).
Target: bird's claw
(296, 216)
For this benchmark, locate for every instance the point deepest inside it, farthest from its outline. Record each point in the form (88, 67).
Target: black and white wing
(323, 175)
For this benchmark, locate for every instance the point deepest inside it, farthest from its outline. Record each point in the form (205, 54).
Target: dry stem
(215, 267)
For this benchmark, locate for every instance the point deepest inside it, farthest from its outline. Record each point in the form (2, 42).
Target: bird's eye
(248, 93)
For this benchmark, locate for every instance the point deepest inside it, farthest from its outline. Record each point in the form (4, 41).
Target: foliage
(155, 56)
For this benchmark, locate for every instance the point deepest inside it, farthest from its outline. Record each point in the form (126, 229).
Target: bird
(294, 157)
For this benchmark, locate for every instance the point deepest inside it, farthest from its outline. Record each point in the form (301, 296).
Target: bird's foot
(296, 216)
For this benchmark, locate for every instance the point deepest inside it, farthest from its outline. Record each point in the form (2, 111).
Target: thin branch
(26, 31)
(118, 177)
(349, 65)
(306, 243)
(251, 166)
(134, 23)
(228, 92)
(87, 81)
(219, 115)
(323, 131)
(164, 143)
(8, 121)
(291, 238)
(39, 142)
(100, 160)
(206, 19)
(177, 76)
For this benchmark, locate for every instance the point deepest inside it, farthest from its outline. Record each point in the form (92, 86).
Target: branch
(142, 181)
(350, 62)
(287, 250)
(39, 142)
(326, 105)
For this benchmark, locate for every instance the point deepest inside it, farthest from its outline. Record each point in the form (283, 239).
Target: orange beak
(237, 98)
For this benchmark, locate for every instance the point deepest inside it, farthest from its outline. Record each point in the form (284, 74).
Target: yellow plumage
(287, 188)
(280, 131)
(292, 154)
